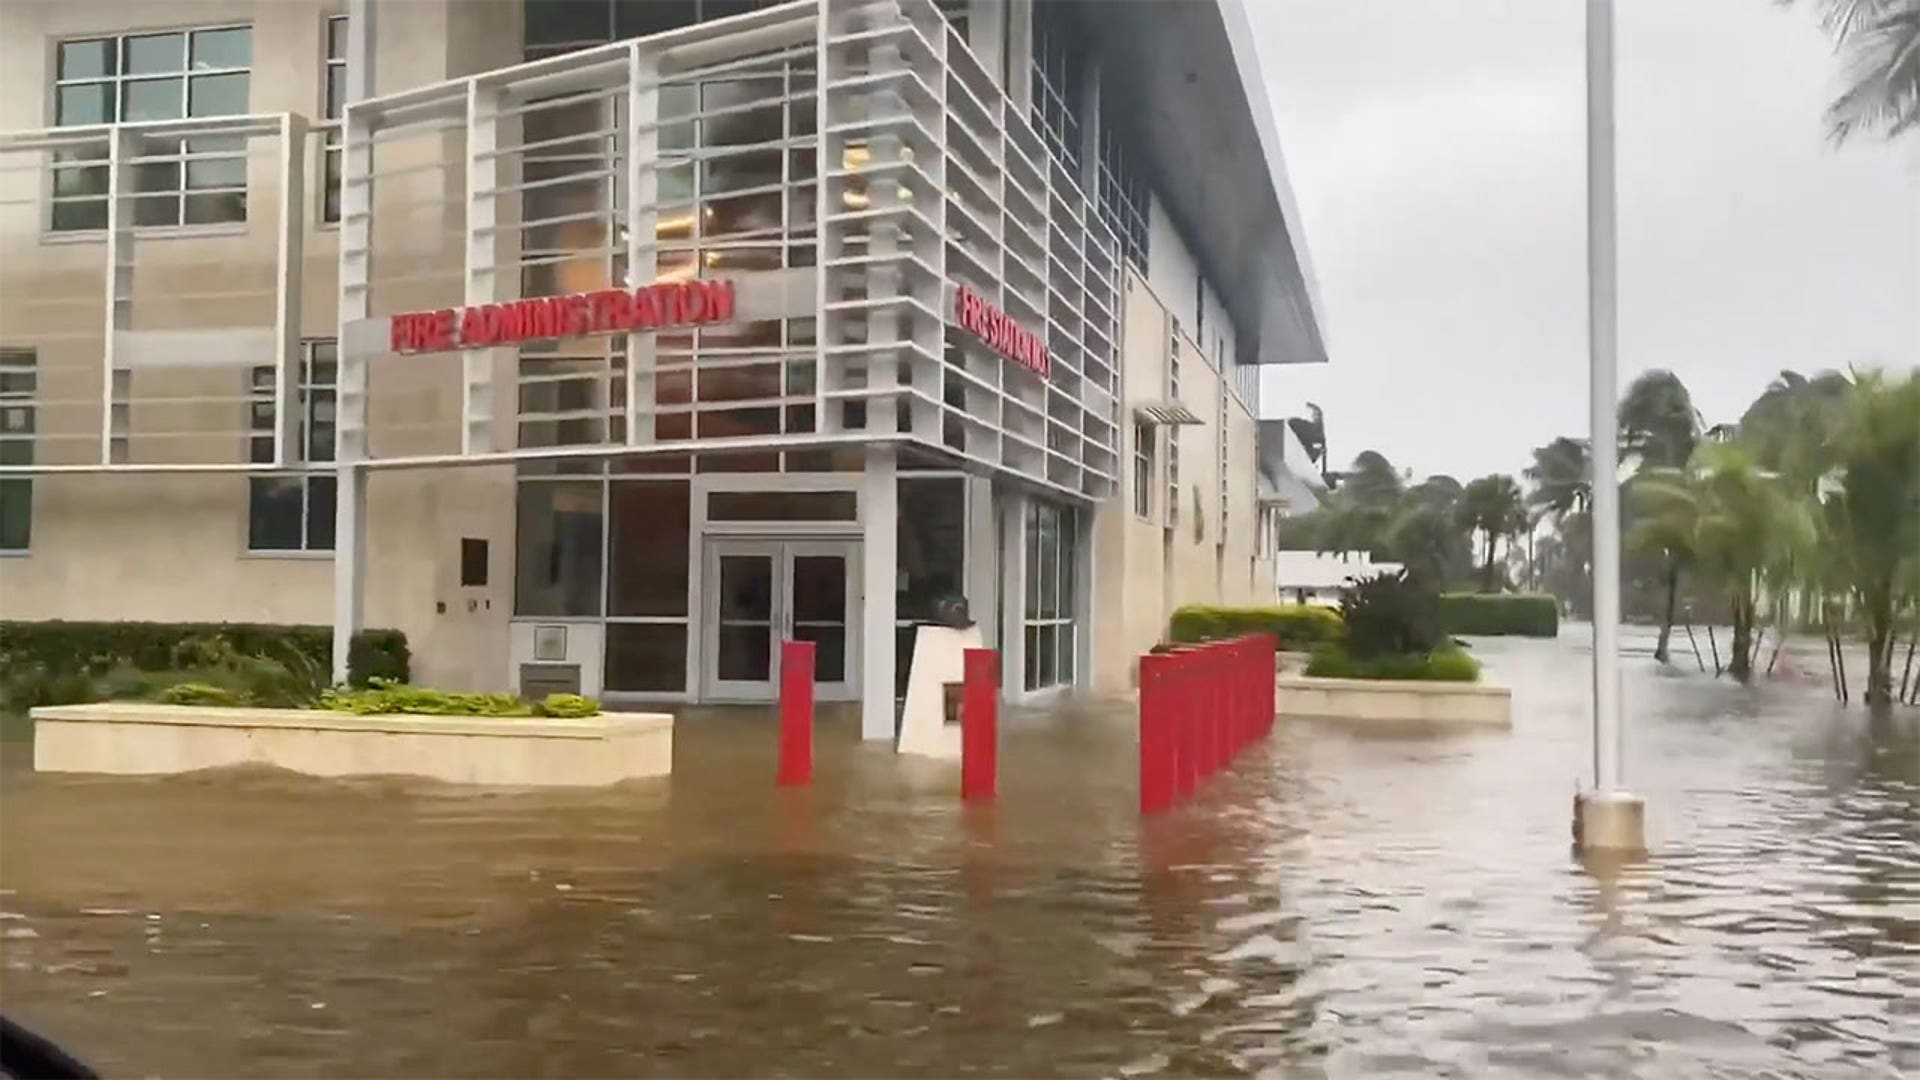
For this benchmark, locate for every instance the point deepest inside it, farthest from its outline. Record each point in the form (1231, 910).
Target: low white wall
(1394, 701)
(140, 739)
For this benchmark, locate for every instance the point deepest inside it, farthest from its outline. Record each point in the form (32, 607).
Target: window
(1123, 195)
(293, 511)
(19, 387)
(1220, 415)
(133, 78)
(559, 26)
(1143, 470)
(333, 100)
(1056, 83)
(1052, 557)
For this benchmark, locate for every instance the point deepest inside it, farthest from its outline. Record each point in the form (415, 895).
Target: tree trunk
(1715, 646)
(1880, 646)
(1666, 624)
(1906, 671)
(1695, 642)
(1740, 659)
(1487, 573)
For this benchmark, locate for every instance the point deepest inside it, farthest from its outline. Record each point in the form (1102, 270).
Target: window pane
(337, 38)
(16, 513)
(557, 551)
(321, 491)
(86, 59)
(90, 180)
(273, 513)
(562, 22)
(150, 99)
(155, 54)
(336, 90)
(330, 199)
(89, 103)
(632, 18)
(217, 172)
(91, 214)
(223, 48)
(647, 549)
(647, 657)
(782, 506)
(14, 451)
(932, 544)
(216, 209)
(217, 95)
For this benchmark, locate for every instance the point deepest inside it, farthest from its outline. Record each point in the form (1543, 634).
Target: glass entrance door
(762, 592)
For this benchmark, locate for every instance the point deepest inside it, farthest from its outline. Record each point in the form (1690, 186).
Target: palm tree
(1561, 476)
(1492, 507)
(1423, 535)
(1880, 40)
(1873, 512)
(1660, 427)
(1791, 423)
(1737, 521)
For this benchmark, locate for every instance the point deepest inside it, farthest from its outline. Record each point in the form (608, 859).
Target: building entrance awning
(1165, 414)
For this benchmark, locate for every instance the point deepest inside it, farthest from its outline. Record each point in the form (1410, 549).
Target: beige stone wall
(1142, 569)
(173, 547)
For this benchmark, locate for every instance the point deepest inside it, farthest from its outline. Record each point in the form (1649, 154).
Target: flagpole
(1608, 817)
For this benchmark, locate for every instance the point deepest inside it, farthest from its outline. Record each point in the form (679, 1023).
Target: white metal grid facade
(852, 149)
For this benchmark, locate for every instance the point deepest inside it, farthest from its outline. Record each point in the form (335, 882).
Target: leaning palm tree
(1561, 476)
(1872, 510)
(1660, 427)
(1492, 507)
(1879, 41)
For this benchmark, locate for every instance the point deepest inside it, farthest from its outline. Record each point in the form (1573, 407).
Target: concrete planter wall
(1395, 702)
(134, 739)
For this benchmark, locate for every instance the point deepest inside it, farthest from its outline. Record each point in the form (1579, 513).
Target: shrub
(1445, 664)
(199, 693)
(1297, 626)
(568, 706)
(1475, 614)
(1390, 614)
(378, 654)
(57, 662)
(385, 697)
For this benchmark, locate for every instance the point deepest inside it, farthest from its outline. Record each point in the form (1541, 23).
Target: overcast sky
(1437, 151)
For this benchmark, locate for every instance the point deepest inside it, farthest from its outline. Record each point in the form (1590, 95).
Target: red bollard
(796, 714)
(979, 725)
(1158, 750)
(1186, 718)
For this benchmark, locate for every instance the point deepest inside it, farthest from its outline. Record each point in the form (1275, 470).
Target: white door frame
(780, 552)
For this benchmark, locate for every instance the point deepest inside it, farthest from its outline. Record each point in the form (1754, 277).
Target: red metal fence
(1200, 706)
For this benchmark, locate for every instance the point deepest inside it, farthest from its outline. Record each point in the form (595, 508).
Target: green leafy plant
(1297, 626)
(568, 706)
(199, 693)
(1446, 664)
(1390, 613)
(385, 697)
(1487, 614)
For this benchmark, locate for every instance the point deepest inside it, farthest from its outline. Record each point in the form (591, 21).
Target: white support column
(879, 567)
(1086, 608)
(643, 245)
(983, 560)
(1019, 76)
(485, 171)
(290, 238)
(1013, 594)
(987, 36)
(356, 246)
(119, 286)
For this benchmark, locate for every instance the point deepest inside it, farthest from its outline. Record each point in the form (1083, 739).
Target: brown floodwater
(1336, 904)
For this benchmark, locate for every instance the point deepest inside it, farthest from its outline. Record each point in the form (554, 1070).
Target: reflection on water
(1336, 904)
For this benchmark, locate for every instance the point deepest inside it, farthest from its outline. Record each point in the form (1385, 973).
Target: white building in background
(612, 342)
(1312, 577)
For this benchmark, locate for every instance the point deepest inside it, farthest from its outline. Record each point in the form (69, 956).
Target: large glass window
(19, 390)
(1051, 633)
(294, 511)
(141, 77)
(557, 547)
(558, 26)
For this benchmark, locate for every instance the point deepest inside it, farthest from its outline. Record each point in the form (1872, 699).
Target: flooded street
(1333, 904)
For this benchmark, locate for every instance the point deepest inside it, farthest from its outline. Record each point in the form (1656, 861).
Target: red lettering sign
(609, 311)
(1001, 333)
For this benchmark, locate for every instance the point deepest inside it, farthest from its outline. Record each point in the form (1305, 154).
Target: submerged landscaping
(234, 665)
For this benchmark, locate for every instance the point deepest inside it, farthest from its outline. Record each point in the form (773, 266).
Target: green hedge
(1489, 614)
(1440, 665)
(1298, 626)
(44, 663)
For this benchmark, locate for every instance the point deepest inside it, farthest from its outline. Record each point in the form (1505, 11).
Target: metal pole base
(1610, 821)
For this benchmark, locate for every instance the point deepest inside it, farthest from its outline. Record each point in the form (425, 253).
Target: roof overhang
(1192, 97)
